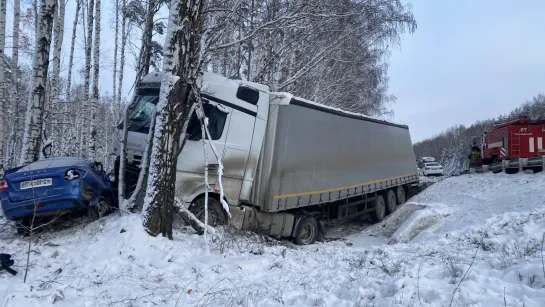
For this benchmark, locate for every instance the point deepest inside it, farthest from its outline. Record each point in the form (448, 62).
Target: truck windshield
(140, 116)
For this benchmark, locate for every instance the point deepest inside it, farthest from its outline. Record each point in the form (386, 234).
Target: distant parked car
(431, 169)
(54, 186)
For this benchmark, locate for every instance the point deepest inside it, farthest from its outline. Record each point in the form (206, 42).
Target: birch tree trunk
(71, 59)
(2, 81)
(87, 77)
(32, 141)
(123, 153)
(94, 103)
(148, 37)
(73, 138)
(181, 66)
(57, 48)
(14, 77)
(114, 92)
(122, 52)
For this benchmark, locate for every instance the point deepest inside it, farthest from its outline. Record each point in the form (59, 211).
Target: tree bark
(14, 77)
(122, 53)
(71, 59)
(181, 68)
(59, 35)
(148, 37)
(74, 135)
(87, 77)
(96, 71)
(2, 81)
(34, 122)
(116, 42)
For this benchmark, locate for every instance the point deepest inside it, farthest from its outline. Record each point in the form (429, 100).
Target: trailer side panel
(315, 156)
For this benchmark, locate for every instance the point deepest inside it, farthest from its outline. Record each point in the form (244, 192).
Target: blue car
(54, 186)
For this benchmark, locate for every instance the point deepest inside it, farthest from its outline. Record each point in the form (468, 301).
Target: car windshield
(51, 163)
(140, 116)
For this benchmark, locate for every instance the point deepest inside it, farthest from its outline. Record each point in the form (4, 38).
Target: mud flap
(321, 233)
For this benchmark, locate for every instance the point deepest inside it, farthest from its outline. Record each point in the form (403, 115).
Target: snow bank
(419, 221)
(486, 252)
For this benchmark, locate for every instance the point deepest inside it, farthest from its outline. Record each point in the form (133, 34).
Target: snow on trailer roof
(153, 80)
(215, 78)
(283, 98)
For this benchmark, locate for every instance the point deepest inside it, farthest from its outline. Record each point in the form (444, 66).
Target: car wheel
(391, 201)
(216, 214)
(307, 231)
(101, 209)
(380, 209)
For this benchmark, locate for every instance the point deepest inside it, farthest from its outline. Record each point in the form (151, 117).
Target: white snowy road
(477, 240)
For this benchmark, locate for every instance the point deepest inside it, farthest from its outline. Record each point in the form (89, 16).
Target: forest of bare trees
(328, 51)
(452, 146)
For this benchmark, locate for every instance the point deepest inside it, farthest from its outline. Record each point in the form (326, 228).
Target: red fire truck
(520, 138)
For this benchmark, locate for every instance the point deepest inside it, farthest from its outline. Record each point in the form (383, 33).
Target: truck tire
(216, 215)
(401, 197)
(307, 231)
(391, 201)
(380, 209)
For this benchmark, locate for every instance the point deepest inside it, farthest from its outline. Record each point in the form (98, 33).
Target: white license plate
(36, 183)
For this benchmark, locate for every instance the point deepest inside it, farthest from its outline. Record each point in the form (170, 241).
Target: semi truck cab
(237, 112)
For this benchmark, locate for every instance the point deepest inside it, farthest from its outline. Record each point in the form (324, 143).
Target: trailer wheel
(391, 201)
(380, 209)
(307, 231)
(401, 197)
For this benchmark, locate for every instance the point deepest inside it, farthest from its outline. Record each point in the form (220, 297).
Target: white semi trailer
(291, 166)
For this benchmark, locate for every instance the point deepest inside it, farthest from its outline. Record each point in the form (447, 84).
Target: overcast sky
(468, 60)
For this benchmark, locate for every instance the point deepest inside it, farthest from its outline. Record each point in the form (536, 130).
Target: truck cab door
(237, 153)
(190, 165)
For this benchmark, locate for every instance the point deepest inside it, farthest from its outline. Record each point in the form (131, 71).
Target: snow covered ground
(431, 179)
(473, 240)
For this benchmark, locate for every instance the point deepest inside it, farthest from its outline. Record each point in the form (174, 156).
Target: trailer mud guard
(279, 224)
